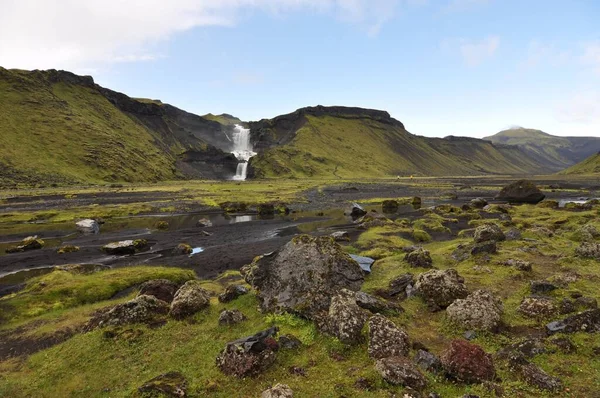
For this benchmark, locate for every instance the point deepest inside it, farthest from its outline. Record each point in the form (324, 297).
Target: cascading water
(242, 149)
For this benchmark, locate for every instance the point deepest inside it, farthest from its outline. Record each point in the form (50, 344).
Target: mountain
(354, 142)
(556, 152)
(57, 127)
(589, 166)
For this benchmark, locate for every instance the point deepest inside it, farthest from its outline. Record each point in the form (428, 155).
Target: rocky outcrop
(303, 276)
(419, 258)
(162, 289)
(401, 371)
(468, 362)
(522, 191)
(249, 356)
(386, 339)
(480, 310)
(189, 299)
(441, 288)
(172, 384)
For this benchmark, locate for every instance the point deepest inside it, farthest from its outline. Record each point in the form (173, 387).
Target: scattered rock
(88, 226)
(375, 304)
(189, 299)
(419, 258)
(162, 225)
(589, 250)
(513, 234)
(125, 247)
(522, 191)
(461, 253)
(488, 247)
(541, 287)
(533, 375)
(401, 371)
(204, 223)
(29, 243)
(441, 287)
(346, 319)
(538, 307)
(278, 391)
(303, 276)
(390, 206)
(162, 289)
(172, 384)
(142, 309)
(541, 232)
(397, 286)
(266, 209)
(428, 361)
(232, 292)
(67, 249)
(564, 344)
(289, 342)
(231, 317)
(355, 211)
(386, 339)
(364, 262)
(249, 356)
(478, 203)
(468, 362)
(416, 201)
(521, 265)
(587, 233)
(528, 348)
(470, 335)
(372, 220)
(182, 249)
(488, 232)
(480, 310)
(586, 321)
(588, 303)
(340, 236)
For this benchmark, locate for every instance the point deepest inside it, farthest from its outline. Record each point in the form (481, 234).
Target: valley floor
(44, 351)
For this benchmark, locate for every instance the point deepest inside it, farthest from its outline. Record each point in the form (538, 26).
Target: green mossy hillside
(589, 166)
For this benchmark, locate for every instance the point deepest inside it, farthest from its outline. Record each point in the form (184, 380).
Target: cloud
(540, 52)
(581, 108)
(591, 56)
(473, 52)
(80, 34)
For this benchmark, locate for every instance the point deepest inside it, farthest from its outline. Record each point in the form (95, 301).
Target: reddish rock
(468, 362)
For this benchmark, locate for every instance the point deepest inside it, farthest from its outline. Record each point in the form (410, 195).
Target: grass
(589, 166)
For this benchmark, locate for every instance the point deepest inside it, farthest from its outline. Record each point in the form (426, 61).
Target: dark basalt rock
(390, 206)
(398, 285)
(587, 321)
(401, 371)
(172, 384)
(231, 317)
(232, 292)
(441, 288)
(355, 211)
(289, 342)
(522, 191)
(488, 247)
(428, 361)
(419, 258)
(162, 289)
(376, 305)
(541, 287)
(533, 375)
(249, 356)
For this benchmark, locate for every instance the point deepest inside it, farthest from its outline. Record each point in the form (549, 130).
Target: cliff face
(64, 128)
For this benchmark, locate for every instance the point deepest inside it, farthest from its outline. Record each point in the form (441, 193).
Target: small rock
(488, 232)
(364, 262)
(278, 391)
(390, 206)
(470, 335)
(588, 303)
(142, 309)
(29, 243)
(204, 223)
(249, 356)
(189, 299)
(428, 361)
(541, 287)
(67, 249)
(162, 225)
(589, 250)
(162, 289)
(564, 344)
(386, 339)
(528, 348)
(182, 249)
(441, 287)
(231, 317)
(521, 265)
(346, 319)
(374, 304)
(513, 234)
(125, 247)
(419, 258)
(468, 362)
(478, 203)
(488, 247)
(480, 310)
(587, 321)
(401, 371)
(533, 375)
(397, 286)
(172, 384)
(289, 342)
(538, 307)
(416, 201)
(340, 236)
(232, 292)
(355, 211)
(88, 226)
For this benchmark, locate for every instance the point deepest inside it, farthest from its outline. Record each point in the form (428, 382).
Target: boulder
(441, 288)
(538, 307)
(522, 191)
(249, 356)
(231, 317)
(589, 250)
(182, 249)
(266, 209)
(513, 234)
(172, 384)
(88, 226)
(346, 319)
(232, 292)
(488, 232)
(541, 287)
(587, 233)
(527, 348)
(478, 203)
(162, 225)
(373, 220)
(390, 206)
(142, 309)
(428, 361)
(340, 236)
(303, 276)
(374, 304)
(29, 243)
(416, 201)
(355, 211)
(364, 262)
(489, 247)
(468, 362)
(419, 258)
(204, 223)
(289, 342)
(189, 299)
(401, 371)
(278, 391)
(162, 289)
(480, 310)
(67, 249)
(586, 321)
(386, 339)
(125, 247)
(398, 286)
(533, 375)
(521, 265)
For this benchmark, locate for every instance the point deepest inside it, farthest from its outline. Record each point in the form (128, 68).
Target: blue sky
(442, 67)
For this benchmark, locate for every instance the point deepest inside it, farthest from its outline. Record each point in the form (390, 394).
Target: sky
(442, 67)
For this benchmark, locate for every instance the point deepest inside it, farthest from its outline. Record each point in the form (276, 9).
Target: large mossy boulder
(29, 243)
(386, 339)
(346, 319)
(488, 232)
(189, 299)
(303, 276)
(522, 191)
(400, 370)
(142, 309)
(440, 288)
(480, 310)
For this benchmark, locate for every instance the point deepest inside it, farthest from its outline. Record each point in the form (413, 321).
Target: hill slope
(354, 142)
(589, 166)
(558, 152)
(57, 127)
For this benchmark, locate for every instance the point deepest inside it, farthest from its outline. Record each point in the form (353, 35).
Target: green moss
(421, 236)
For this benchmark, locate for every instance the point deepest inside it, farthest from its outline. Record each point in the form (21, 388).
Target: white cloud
(581, 108)
(473, 52)
(541, 53)
(79, 34)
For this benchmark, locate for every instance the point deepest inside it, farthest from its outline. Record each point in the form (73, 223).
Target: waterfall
(242, 149)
